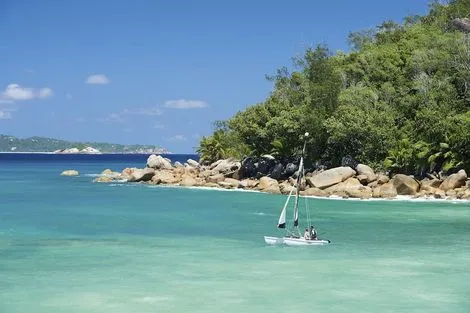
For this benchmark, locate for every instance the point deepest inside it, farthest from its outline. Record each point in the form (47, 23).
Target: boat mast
(299, 181)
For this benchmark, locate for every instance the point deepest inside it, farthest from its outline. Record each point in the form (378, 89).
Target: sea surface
(70, 245)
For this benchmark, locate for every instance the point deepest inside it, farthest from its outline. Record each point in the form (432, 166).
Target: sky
(158, 72)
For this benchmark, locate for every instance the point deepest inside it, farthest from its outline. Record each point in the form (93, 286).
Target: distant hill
(44, 144)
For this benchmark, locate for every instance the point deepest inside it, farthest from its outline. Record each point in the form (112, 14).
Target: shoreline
(81, 153)
(399, 198)
(344, 182)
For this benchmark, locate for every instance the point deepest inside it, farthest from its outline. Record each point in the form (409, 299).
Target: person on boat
(313, 233)
(307, 234)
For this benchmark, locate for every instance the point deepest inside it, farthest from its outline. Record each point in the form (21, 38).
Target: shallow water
(70, 245)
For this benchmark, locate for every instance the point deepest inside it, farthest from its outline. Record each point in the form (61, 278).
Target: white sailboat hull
(290, 241)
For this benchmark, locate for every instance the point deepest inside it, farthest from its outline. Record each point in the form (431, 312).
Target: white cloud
(153, 111)
(112, 118)
(29, 71)
(185, 104)
(45, 92)
(120, 116)
(16, 92)
(157, 125)
(68, 95)
(98, 79)
(177, 138)
(5, 101)
(5, 115)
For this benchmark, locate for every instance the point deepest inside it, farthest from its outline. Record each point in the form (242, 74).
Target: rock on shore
(69, 173)
(271, 176)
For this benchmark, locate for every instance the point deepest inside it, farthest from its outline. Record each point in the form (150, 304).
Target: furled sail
(282, 217)
(299, 182)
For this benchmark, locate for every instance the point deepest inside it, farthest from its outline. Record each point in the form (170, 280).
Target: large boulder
(139, 175)
(249, 183)
(234, 183)
(382, 179)
(127, 172)
(466, 195)
(405, 185)
(290, 169)
(205, 174)
(331, 177)
(248, 167)
(312, 191)
(217, 178)
(192, 163)
(265, 165)
(362, 192)
(188, 181)
(103, 179)
(107, 172)
(158, 162)
(462, 24)
(286, 188)
(178, 164)
(340, 189)
(363, 179)
(226, 167)
(386, 190)
(454, 181)
(427, 184)
(277, 171)
(268, 184)
(69, 173)
(363, 169)
(164, 177)
(349, 161)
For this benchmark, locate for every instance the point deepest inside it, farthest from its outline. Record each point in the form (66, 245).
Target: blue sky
(158, 72)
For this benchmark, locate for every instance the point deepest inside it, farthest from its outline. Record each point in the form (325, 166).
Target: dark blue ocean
(69, 245)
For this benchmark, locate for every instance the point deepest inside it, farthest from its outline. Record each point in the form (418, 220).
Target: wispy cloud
(113, 118)
(158, 125)
(120, 117)
(177, 138)
(152, 111)
(5, 115)
(80, 120)
(45, 93)
(29, 71)
(185, 104)
(68, 95)
(97, 79)
(16, 92)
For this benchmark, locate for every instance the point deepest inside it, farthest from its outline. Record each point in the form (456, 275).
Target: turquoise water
(70, 245)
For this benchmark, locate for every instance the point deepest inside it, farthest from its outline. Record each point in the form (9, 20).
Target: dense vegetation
(43, 144)
(399, 100)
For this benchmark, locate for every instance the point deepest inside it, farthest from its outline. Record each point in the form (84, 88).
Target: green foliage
(221, 145)
(399, 101)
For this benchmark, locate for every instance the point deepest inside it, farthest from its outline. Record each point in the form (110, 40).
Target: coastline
(336, 198)
(81, 153)
(339, 183)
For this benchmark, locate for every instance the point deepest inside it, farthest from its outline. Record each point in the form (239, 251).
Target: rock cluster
(268, 175)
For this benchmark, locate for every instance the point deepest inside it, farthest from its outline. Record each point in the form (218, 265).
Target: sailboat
(293, 236)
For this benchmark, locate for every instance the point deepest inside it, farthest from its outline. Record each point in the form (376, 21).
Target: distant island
(52, 145)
